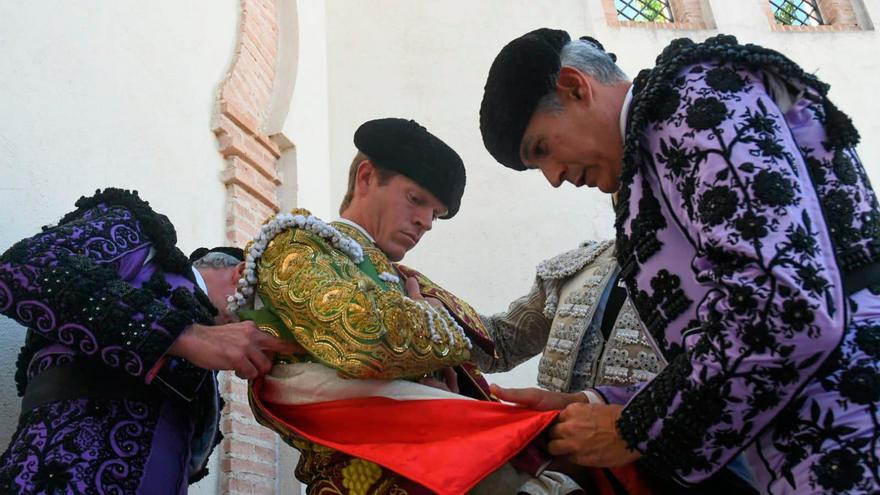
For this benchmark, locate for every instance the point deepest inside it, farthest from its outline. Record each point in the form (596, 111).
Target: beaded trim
(389, 277)
(298, 219)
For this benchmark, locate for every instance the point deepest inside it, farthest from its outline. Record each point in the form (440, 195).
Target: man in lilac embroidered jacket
(118, 396)
(749, 239)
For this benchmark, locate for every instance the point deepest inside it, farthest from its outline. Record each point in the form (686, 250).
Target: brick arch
(250, 107)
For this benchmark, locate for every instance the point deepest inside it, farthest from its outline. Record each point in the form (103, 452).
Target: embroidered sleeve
(736, 184)
(65, 285)
(519, 334)
(345, 320)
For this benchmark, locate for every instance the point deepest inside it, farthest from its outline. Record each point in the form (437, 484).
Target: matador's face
(579, 141)
(401, 212)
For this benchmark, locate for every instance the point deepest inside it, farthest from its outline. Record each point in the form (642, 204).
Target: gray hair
(216, 260)
(589, 59)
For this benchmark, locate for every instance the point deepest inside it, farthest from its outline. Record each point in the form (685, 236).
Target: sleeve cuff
(593, 397)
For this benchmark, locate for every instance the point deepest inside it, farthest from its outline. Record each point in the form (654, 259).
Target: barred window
(643, 10)
(796, 12)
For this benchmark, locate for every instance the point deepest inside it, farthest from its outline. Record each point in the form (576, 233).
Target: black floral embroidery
(80, 447)
(55, 478)
(768, 147)
(760, 123)
(838, 470)
(742, 298)
(717, 205)
(810, 428)
(724, 80)
(706, 113)
(860, 385)
(668, 103)
(771, 188)
(797, 314)
(745, 201)
(811, 279)
(801, 241)
(751, 226)
(868, 339)
(676, 157)
(758, 338)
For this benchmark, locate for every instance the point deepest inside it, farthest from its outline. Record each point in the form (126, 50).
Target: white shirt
(355, 225)
(200, 280)
(624, 113)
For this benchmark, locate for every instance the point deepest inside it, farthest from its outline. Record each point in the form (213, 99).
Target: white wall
(119, 94)
(847, 60)
(428, 61)
(307, 122)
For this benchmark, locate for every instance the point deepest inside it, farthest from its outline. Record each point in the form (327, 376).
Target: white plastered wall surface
(119, 94)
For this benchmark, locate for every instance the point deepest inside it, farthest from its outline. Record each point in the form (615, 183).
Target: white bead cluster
(268, 231)
(434, 315)
(389, 277)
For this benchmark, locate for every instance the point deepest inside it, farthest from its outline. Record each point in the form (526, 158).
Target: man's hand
(586, 434)
(450, 378)
(414, 293)
(235, 346)
(535, 398)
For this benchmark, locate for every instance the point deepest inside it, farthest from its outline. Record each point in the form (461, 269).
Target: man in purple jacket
(748, 237)
(123, 332)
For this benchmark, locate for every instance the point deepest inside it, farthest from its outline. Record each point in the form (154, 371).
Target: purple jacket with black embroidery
(747, 235)
(107, 286)
(85, 288)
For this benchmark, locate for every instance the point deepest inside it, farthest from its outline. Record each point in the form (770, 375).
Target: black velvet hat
(406, 147)
(201, 252)
(520, 76)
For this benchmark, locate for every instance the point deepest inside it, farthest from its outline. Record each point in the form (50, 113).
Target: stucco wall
(120, 94)
(307, 122)
(847, 60)
(428, 61)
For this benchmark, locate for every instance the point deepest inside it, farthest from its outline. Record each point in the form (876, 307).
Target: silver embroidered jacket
(562, 317)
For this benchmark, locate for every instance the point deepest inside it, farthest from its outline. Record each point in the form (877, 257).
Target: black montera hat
(520, 76)
(406, 147)
(201, 252)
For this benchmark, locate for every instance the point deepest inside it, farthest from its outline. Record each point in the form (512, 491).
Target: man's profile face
(222, 283)
(401, 212)
(580, 144)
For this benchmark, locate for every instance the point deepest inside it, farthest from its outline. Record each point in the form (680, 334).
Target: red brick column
(248, 453)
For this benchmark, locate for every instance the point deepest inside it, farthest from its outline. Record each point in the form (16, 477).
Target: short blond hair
(384, 175)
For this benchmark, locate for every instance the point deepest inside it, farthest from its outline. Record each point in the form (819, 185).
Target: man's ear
(574, 85)
(364, 177)
(237, 272)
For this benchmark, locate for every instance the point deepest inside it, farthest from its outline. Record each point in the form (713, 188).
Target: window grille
(796, 12)
(643, 10)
